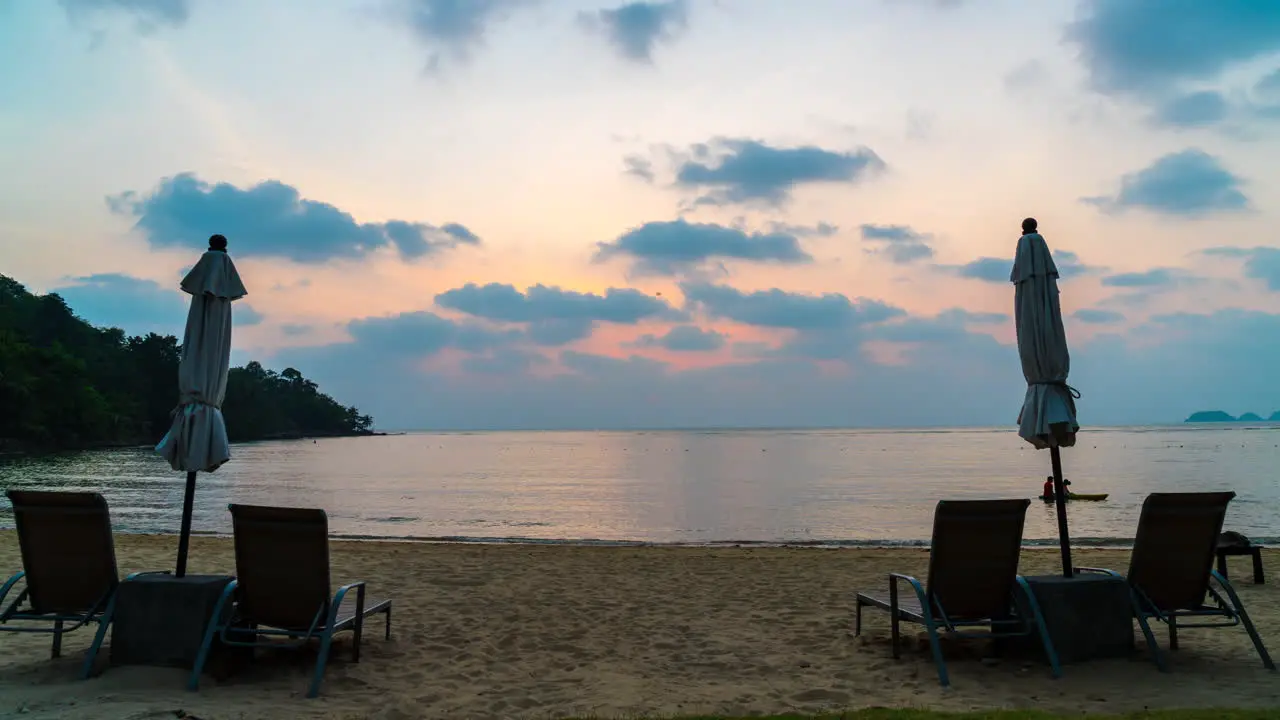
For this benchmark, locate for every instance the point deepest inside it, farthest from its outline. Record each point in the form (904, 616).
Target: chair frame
(101, 611)
(1028, 618)
(231, 629)
(1230, 609)
(1024, 619)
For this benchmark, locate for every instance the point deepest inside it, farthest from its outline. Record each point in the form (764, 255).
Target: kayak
(1079, 496)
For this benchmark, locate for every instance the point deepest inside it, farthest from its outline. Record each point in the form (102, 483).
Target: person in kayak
(1047, 492)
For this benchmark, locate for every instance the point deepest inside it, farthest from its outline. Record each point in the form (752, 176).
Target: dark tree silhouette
(67, 384)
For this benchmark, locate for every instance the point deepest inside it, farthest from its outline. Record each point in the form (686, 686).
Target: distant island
(67, 385)
(1212, 416)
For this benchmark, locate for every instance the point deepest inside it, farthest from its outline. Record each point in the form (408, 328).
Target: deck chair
(282, 589)
(68, 567)
(1172, 565)
(973, 581)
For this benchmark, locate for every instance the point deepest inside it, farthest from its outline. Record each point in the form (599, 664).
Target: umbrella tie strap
(187, 401)
(1062, 384)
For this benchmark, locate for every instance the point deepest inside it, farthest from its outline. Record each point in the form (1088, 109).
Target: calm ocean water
(766, 486)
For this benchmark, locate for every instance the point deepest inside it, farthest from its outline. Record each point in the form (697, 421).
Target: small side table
(160, 620)
(1225, 551)
(1089, 615)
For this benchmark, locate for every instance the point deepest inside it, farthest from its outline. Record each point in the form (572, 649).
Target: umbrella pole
(184, 537)
(1059, 500)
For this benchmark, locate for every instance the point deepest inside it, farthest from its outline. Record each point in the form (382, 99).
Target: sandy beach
(519, 631)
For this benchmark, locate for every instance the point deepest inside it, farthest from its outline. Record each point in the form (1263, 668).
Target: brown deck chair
(973, 581)
(282, 588)
(1172, 565)
(68, 567)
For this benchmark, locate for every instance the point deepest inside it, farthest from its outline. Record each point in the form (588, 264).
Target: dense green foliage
(67, 384)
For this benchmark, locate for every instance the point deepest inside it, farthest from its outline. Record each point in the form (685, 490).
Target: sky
(583, 214)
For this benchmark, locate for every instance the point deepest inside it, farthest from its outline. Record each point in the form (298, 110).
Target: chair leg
(857, 617)
(98, 637)
(1257, 640)
(936, 646)
(388, 635)
(218, 622)
(357, 633)
(894, 632)
(1247, 622)
(893, 617)
(1258, 578)
(1156, 654)
(1173, 633)
(326, 641)
(57, 640)
(1041, 628)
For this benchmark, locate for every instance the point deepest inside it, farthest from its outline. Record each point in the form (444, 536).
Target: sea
(686, 487)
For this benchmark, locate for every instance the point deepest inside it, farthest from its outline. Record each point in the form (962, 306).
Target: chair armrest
(8, 584)
(340, 595)
(1099, 571)
(133, 575)
(358, 585)
(225, 605)
(895, 578)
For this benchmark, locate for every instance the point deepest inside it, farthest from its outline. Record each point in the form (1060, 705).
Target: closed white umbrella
(197, 440)
(1048, 416)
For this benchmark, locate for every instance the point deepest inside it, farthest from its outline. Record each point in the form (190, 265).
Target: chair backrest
(67, 550)
(1173, 552)
(282, 564)
(973, 562)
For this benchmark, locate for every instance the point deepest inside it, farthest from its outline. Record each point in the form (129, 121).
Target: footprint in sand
(824, 697)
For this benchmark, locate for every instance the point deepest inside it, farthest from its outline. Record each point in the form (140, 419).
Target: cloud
(244, 315)
(1260, 263)
(295, 329)
(422, 334)
(779, 309)
(639, 167)
(1025, 77)
(1147, 279)
(1069, 265)
(684, 338)
(948, 325)
(1190, 183)
(1094, 316)
(455, 26)
(132, 304)
(554, 316)
(503, 362)
(822, 229)
(610, 368)
(1267, 89)
(150, 14)
(636, 28)
(987, 269)
(960, 315)
(1145, 48)
(998, 270)
(1220, 359)
(1192, 110)
(736, 170)
(671, 247)
(900, 243)
(271, 219)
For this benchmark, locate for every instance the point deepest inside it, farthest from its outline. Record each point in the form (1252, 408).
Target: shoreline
(7, 451)
(1033, 545)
